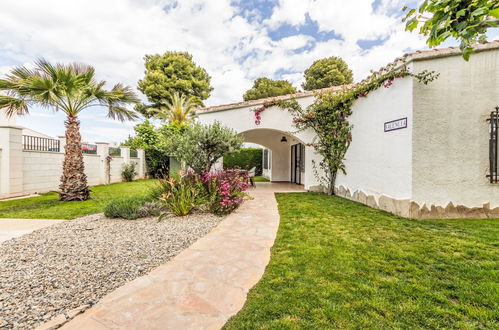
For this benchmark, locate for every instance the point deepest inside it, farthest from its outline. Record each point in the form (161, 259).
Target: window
(494, 130)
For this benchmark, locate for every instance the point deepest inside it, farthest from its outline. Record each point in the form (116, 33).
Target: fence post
(62, 143)
(105, 168)
(142, 163)
(11, 162)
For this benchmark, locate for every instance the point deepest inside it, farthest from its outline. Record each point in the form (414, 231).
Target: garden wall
(25, 172)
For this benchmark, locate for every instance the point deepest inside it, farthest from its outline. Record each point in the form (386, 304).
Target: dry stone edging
(410, 209)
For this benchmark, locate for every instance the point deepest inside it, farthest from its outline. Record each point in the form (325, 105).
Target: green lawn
(340, 264)
(47, 206)
(260, 179)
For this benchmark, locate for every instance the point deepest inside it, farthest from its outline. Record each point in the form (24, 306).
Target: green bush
(245, 159)
(128, 173)
(125, 207)
(150, 209)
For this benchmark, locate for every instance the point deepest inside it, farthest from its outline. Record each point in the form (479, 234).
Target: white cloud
(294, 42)
(290, 12)
(114, 35)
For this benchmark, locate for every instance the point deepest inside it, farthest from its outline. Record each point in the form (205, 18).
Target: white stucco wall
(116, 168)
(379, 162)
(11, 163)
(42, 170)
(451, 150)
(93, 168)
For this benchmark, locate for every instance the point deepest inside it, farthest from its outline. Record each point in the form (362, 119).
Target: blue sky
(236, 41)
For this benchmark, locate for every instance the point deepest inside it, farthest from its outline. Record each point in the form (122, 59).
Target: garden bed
(57, 269)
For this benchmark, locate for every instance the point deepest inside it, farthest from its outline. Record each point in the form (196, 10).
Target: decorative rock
(494, 213)
(362, 197)
(53, 324)
(424, 212)
(348, 194)
(475, 213)
(355, 196)
(451, 211)
(341, 191)
(402, 207)
(72, 313)
(371, 201)
(386, 203)
(415, 210)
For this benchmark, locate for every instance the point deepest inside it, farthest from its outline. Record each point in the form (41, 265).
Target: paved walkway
(10, 228)
(204, 285)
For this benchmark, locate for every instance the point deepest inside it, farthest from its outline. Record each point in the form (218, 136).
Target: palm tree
(179, 110)
(69, 88)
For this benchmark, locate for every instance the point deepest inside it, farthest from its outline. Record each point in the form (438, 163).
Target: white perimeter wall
(42, 170)
(378, 162)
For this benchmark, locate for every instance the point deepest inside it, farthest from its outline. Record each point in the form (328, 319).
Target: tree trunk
(332, 183)
(73, 185)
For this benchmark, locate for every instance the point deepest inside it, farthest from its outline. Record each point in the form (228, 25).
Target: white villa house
(418, 151)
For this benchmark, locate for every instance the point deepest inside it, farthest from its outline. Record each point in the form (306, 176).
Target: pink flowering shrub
(225, 190)
(219, 192)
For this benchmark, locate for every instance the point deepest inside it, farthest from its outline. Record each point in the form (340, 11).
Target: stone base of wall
(410, 209)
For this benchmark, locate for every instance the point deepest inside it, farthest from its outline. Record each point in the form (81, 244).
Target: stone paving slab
(10, 228)
(204, 285)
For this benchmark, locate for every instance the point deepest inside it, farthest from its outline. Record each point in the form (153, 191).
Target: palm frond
(121, 113)
(67, 87)
(178, 109)
(13, 105)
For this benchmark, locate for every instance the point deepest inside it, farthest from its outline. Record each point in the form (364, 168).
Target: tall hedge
(246, 158)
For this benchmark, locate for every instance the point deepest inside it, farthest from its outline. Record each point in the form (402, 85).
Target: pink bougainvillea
(259, 110)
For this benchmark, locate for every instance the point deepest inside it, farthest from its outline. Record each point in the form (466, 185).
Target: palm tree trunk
(73, 180)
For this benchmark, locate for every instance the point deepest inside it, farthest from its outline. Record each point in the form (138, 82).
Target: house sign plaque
(396, 124)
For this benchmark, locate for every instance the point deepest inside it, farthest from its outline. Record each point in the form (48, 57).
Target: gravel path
(73, 264)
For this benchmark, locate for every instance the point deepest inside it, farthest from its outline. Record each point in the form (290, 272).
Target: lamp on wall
(283, 139)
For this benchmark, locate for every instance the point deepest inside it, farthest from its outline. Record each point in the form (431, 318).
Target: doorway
(297, 163)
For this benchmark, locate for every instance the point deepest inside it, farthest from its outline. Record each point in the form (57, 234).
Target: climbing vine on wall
(259, 110)
(328, 117)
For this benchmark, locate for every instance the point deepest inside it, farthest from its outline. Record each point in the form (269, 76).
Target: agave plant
(70, 88)
(179, 110)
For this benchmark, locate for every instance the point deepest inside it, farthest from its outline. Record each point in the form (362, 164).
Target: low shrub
(150, 209)
(128, 173)
(125, 207)
(225, 190)
(181, 193)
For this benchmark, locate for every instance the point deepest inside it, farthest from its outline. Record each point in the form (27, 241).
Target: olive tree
(200, 146)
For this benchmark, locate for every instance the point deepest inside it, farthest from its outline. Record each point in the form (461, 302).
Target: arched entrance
(284, 158)
(286, 163)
